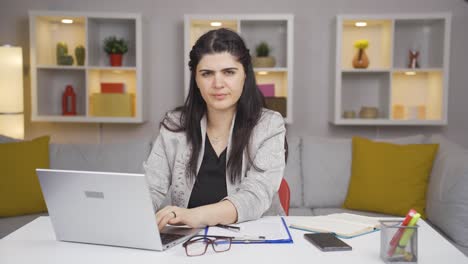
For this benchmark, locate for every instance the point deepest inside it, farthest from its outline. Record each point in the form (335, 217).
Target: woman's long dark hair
(249, 106)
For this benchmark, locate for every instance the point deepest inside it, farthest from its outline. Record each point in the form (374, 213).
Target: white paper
(269, 227)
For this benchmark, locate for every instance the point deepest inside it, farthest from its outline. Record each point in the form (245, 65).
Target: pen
(396, 238)
(229, 227)
(248, 239)
(408, 233)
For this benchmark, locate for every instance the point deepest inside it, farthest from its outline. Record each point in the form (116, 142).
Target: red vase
(116, 60)
(69, 101)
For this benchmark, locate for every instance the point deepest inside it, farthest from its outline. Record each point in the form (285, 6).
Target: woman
(221, 154)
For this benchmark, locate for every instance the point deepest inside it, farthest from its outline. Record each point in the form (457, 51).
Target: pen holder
(398, 244)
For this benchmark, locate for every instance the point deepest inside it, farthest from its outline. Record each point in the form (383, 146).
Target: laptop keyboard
(167, 238)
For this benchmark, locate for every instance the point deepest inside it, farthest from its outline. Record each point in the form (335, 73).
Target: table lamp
(11, 92)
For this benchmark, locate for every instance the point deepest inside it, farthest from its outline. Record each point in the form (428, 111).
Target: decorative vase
(360, 60)
(69, 101)
(263, 62)
(349, 114)
(116, 60)
(80, 55)
(369, 112)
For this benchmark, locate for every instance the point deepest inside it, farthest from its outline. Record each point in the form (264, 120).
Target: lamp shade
(11, 92)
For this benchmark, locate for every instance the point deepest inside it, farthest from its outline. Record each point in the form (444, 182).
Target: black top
(210, 185)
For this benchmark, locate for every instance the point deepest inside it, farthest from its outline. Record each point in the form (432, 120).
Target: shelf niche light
(262, 73)
(67, 21)
(410, 73)
(216, 24)
(360, 24)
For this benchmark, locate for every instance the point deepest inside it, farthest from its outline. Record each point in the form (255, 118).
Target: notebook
(344, 225)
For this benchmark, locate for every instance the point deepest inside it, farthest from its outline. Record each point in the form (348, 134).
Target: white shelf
(378, 32)
(48, 31)
(424, 89)
(418, 70)
(107, 68)
(425, 35)
(84, 119)
(49, 88)
(48, 80)
(275, 69)
(364, 70)
(275, 29)
(388, 122)
(63, 67)
(403, 95)
(60, 67)
(101, 28)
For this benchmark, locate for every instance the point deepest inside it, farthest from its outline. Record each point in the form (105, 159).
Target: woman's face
(220, 78)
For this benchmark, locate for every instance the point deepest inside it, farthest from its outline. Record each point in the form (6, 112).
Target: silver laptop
(105, 208)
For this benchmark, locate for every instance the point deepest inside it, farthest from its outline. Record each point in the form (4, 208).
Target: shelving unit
(275, 29)
(48, 79)
(403, 95)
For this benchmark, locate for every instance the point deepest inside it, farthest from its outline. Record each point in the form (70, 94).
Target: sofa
(318, 174)
(317, 171)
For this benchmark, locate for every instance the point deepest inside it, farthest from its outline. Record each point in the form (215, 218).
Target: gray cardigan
(254, 196)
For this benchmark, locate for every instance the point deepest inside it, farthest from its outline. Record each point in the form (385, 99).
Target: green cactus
(80, 55)
(65, 60)
(62, 50)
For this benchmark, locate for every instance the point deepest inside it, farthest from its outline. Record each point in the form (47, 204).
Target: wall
(313, 69)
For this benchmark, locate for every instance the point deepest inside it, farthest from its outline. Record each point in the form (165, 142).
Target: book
(268, 89)
(112, 88)
(343, 225)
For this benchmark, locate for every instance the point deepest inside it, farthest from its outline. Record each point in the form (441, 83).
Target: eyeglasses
(197, 245)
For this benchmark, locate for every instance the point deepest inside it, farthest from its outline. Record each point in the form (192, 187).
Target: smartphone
(327, 242)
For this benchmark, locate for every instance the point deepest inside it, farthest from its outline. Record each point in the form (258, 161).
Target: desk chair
(284, 195)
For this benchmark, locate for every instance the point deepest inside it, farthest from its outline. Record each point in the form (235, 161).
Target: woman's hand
(179, 216)
(223, 212)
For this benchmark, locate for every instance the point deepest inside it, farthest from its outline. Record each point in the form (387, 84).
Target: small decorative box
(268, 90)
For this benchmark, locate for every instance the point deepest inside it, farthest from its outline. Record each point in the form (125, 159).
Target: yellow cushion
(20, 192)
(389, 178)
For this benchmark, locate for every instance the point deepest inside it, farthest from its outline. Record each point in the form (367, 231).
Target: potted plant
(263, 58)
(115, 48)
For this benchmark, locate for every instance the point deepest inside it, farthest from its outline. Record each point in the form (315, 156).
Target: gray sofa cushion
(117, 157)
(293, 173)
(301, 211)
(447, 195)
(326, 166)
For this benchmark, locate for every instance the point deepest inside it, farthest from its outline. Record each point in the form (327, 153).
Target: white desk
(35, 243)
